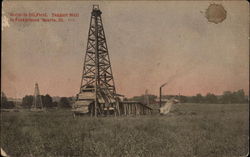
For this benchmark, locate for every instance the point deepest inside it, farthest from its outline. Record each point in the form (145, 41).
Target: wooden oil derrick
(97, 95)
(97, 68)
(37, 100)
(97, 90)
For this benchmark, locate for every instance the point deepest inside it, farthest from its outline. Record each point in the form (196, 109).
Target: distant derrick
(37, 100)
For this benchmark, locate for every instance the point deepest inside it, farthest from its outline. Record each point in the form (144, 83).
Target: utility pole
(146, 98)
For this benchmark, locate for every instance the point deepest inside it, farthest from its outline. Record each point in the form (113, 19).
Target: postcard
(125, 78)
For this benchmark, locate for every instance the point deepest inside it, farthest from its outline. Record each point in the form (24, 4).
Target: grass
(204, 130)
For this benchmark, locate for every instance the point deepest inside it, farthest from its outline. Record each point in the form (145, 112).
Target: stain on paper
(216, 13)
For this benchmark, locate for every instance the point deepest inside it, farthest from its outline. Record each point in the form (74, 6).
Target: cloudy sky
(149, 44)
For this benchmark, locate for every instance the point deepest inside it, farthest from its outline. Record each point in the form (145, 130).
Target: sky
(149, 43)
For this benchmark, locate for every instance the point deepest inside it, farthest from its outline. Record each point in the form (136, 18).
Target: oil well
(37, 104)
(97, 95)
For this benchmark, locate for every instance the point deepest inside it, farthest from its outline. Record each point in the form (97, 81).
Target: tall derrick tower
(97, 90)
(37, 100)
(97, 68)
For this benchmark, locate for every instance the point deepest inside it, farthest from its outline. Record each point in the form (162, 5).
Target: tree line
(47, 101)
(227, 97)
(27, 102)
(5, 103)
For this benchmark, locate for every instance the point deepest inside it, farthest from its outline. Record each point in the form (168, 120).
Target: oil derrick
(97, 68)
(37, 100)
(97, 90)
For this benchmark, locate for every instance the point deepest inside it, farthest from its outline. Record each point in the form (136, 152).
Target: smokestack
(161, 92)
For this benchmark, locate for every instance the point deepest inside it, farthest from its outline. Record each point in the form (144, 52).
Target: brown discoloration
(216, 13)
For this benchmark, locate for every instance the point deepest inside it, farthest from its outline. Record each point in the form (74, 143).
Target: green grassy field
(189, 130)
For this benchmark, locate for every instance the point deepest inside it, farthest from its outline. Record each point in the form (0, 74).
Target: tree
(196, 99)
(199, 98)
(143, 98)
(5, 103)
(47, 101)
(64, 102)
(183, 99)
(27, 101)
(4, 100)
(211, 98)
(227, 97)
(137, 98)
(192, 99)
(9, 105)
(152, 98)
(239, 96)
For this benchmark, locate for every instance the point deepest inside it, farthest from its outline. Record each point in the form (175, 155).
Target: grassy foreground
(204, 130)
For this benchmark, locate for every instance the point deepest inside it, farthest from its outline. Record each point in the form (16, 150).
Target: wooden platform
(133, 108)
